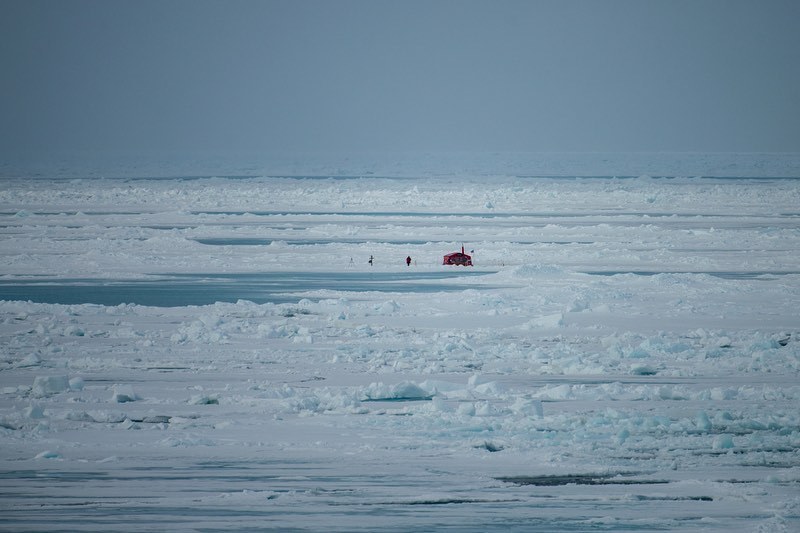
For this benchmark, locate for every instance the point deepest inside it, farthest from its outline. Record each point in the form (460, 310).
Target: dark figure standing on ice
(408, 261)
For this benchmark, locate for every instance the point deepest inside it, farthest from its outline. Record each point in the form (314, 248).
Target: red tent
(458, 258)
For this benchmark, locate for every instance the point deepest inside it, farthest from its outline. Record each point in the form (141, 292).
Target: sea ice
(624, 355)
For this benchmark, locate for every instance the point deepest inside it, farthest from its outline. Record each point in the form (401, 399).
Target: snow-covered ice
(624, 355)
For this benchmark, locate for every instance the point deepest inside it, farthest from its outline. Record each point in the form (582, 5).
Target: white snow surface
(624, 355)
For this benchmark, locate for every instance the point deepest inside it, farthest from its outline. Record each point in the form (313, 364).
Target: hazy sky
(350, 76)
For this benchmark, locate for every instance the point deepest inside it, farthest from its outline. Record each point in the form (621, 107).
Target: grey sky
(350, 76)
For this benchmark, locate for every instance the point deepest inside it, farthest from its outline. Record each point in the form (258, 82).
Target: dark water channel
(176, 290)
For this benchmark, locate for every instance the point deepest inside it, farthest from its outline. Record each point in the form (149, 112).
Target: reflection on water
(175, 290)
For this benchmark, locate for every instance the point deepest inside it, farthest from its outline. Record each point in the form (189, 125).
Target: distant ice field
(218, 353)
